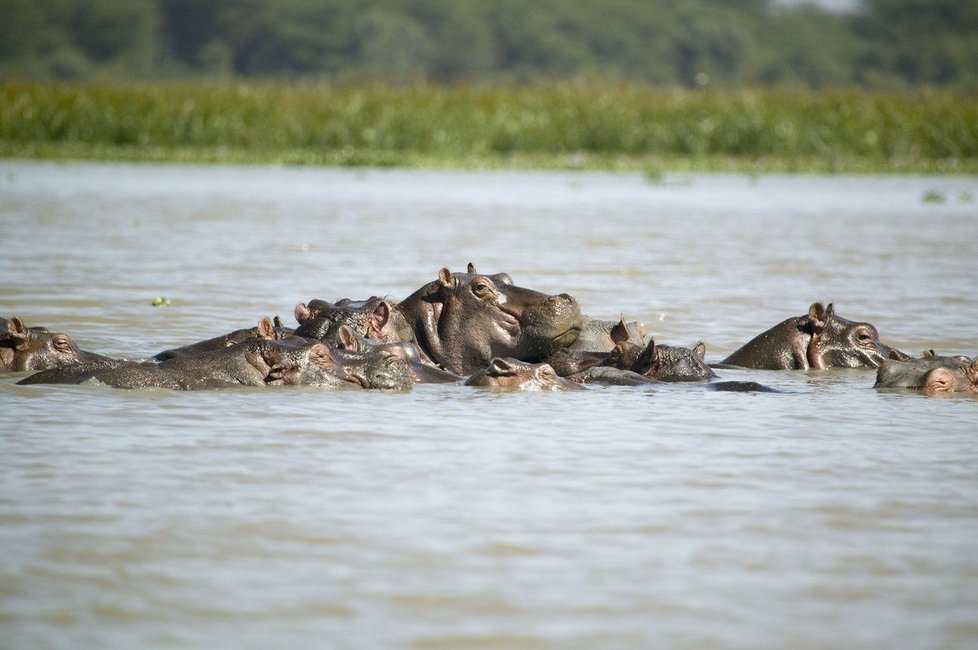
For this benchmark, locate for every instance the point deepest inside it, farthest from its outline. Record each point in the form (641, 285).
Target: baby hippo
(931, 373)
(35, 348)
(512, 375)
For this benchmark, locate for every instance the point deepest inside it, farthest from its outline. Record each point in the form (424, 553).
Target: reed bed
(562, 125)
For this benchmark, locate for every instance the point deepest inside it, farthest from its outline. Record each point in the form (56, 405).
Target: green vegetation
(561, 125)
(883, 45)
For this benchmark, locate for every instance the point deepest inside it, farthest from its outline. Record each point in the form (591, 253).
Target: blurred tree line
(882, 44)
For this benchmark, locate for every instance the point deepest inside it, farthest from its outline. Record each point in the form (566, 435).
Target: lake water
(828, 515)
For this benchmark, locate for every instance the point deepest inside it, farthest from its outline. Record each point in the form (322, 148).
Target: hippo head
(840, 343)
(674, 363)
(35, 348)
(321, 319)
(513, 374)
(464, 320)
(378, 367)
(312, 364)
(930, 373)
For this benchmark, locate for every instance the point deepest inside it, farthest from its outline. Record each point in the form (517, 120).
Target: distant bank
(557, 126)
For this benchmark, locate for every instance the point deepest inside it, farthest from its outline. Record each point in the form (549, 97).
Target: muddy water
(828, 515)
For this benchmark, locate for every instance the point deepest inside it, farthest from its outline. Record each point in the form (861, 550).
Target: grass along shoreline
(559, 126)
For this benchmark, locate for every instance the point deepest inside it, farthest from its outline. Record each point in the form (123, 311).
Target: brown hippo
(254, 362)
(266, 329)
(819, 339)
(462, 321)
(35, 348)
(515, 375)
(931, 374)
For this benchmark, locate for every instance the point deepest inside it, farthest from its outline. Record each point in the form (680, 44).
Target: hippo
(253, 362)
(35, 348)
(378, 367)
(462, 321)
(321, 320)
(514, 375)
(423, 370)
(662, 362)
(817, 340)
(930, 373)
(266, 329)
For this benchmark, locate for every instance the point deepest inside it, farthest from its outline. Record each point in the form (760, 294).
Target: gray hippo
(656, 362)
(423, 370)
(462, 321)
(370, 318)
(515, 375)
(254, 362)
(662, 362)
(930, 373)
(819, 339)
(35, 348)
(266, 329)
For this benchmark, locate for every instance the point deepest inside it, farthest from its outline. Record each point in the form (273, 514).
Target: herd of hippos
(480, 330)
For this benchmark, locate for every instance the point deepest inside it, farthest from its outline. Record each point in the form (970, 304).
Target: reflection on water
(828, 515)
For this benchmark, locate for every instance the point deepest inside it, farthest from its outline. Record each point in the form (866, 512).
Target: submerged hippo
(515, 375)
(423, 370)
(35, 348)
(369, 318)
(819, 339)
(930, 373)
(266, 329)
(662, 362)
(462, 321)
(254, 362)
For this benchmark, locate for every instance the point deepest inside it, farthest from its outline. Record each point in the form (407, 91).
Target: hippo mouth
(567, 337)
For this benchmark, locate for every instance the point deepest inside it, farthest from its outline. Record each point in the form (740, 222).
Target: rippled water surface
(827, 515)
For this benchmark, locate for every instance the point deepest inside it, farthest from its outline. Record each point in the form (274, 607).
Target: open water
(829, 515)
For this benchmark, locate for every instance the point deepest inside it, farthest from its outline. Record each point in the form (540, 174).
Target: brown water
(827, 516)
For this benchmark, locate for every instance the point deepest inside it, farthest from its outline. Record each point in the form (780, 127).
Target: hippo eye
(62, 343)
(481, 289)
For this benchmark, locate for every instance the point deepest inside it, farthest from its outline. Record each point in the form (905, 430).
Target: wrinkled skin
(255, 362)
(930, 374)
(423, 371)
(462, 321)
(817, 340)
(369, 318)
(35, 348)
(515, 375)
(266, 329)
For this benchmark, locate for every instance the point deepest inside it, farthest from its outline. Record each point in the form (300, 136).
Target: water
(829, 515)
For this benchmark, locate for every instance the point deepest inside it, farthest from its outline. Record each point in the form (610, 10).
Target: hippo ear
(927, 353)
(619, 333)
(700, 350)
(818, 315)
(303, 314)
(277, 322)
(446, 279)
(265, 328)
(830, 311)
(16, 328)
(347, 339)
(900, 356)
(501, 366)
(379, 317)
(471, 269)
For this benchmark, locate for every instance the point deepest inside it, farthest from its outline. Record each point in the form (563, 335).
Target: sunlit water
(829, 515)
